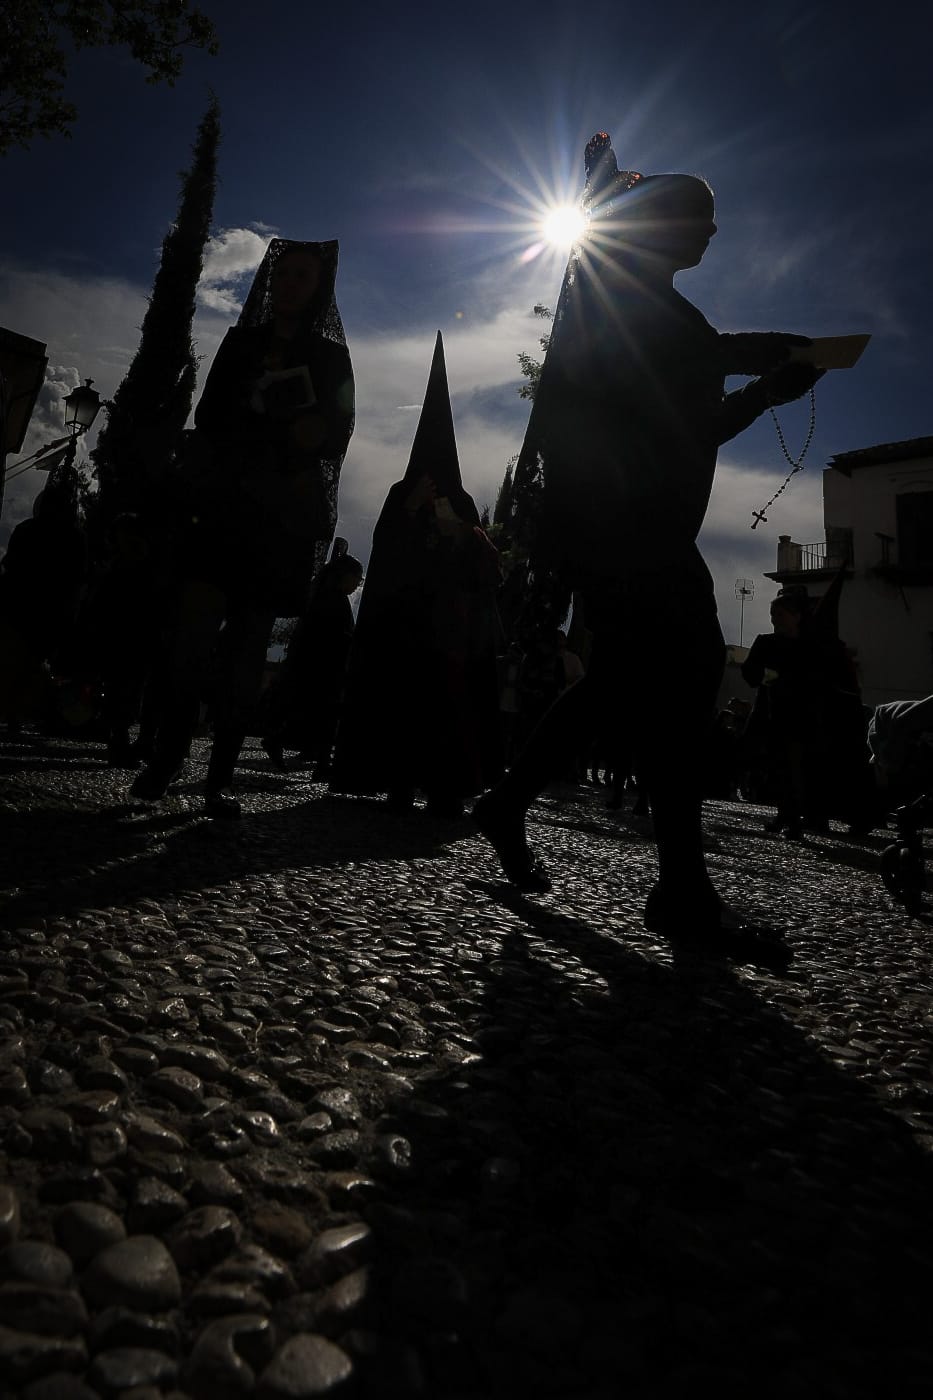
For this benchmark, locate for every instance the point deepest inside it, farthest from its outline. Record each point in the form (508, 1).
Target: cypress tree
(151, 406)
(503, 508)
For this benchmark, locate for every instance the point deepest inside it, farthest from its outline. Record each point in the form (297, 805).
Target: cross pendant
(760, 519)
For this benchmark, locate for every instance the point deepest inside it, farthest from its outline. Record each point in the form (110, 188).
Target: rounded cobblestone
(374, 1120)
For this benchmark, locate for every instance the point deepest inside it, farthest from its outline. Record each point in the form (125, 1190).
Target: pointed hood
(434, 450)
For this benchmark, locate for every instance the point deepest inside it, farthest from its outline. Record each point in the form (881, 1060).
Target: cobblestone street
(314, 1104)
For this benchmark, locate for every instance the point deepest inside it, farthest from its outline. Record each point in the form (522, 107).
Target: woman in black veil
(421, 708)
(272, 427)
(619, 458)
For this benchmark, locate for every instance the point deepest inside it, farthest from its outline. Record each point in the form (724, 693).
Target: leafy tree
(530, 367)
(503, 507)
(534, 599)
(151, 406)
(36, 34)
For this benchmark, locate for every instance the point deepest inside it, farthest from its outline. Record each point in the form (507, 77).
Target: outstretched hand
(758, 352)
(790, 381)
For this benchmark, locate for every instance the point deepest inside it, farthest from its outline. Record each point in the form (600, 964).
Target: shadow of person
(71, 860)
(754, 945)
(638, 1178)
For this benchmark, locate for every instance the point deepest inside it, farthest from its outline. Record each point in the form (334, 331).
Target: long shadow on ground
(652, 1185)
(72, 861)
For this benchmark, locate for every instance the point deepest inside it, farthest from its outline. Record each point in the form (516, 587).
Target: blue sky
(430, 142)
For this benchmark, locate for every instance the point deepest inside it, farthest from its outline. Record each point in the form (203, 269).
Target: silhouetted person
(42, 578)
(421, 709)
(809, 711)
(273, 425)
(624, 433)
(306, 699)
(117, 630)
(900, 739)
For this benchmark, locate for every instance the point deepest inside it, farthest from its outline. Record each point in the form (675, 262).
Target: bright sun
(564, 225)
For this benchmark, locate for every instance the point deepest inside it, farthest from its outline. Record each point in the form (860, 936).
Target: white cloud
(91, 327)
(230, 258)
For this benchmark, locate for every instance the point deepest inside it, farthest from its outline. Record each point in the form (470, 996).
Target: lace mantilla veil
(323, 317)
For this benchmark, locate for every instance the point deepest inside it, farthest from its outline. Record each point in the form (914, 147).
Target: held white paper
(832, 351)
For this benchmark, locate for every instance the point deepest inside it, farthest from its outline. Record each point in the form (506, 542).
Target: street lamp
(81, 408)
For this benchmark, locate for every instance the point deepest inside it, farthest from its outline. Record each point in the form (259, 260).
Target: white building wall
(891, 631)
(889, 625)
(865, 501)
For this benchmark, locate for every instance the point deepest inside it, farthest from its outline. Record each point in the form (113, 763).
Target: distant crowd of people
(424, 692)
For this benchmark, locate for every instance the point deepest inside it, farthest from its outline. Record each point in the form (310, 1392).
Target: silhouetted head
(664, 222)
(671, 218)
(294, 286)
(295, 282)
(350, 575)
(343, 574)
(662, 219)
(789, 612)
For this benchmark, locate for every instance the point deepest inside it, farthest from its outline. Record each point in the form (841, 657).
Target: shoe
(504, 829)
(707, 925)
(276, 753)
(154, 781)
(222, 804)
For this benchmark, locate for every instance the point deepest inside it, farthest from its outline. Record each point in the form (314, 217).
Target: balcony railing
(820, 556)
(812, 556)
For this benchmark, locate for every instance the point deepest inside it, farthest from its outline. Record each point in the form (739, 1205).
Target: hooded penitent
(422, 708)
(434, 450)
(274, 507)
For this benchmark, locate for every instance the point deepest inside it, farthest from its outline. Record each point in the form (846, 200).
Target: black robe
(266, 512)
(421, 708)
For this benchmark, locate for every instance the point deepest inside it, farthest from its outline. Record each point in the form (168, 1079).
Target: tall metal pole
(744, 588)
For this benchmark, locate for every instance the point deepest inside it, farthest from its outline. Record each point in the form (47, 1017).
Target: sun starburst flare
(563, 225)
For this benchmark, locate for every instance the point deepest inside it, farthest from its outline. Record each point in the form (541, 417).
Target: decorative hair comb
(605, 182)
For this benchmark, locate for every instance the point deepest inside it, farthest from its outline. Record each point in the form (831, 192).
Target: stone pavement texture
(313, 1104)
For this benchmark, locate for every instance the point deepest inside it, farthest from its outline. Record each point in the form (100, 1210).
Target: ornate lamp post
(82, 406)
